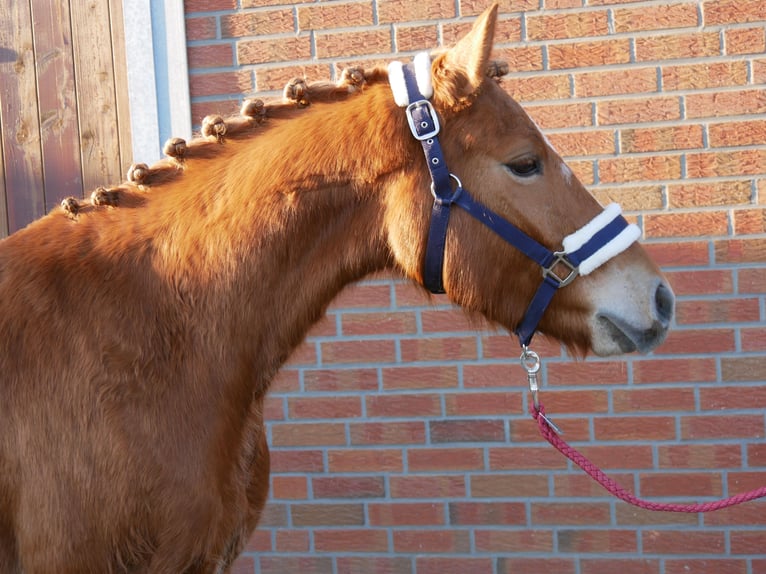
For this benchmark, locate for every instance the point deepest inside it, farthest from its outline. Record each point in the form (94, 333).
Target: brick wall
(398, 433)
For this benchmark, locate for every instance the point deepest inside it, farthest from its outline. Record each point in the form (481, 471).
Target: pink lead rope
(531, 362)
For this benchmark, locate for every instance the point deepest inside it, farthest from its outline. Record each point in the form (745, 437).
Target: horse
(140, 328)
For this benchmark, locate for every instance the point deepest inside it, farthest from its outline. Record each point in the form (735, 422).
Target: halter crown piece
(605, 236)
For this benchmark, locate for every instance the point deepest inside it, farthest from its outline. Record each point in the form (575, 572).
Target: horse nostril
(664, 302)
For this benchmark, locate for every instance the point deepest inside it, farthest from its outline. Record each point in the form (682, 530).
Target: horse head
(496, 151)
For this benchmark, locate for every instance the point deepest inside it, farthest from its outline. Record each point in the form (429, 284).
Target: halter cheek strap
(605, 236)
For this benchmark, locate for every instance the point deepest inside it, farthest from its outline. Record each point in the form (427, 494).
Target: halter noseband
(605, 236)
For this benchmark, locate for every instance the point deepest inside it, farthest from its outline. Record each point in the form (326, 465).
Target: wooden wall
(64, 119)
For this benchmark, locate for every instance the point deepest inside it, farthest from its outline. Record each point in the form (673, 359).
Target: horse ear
(464, 67)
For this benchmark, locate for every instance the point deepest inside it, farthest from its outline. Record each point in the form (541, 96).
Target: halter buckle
(417, 126)
(560, 257)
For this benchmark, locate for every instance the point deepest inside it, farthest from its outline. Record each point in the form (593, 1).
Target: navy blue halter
(424, 124)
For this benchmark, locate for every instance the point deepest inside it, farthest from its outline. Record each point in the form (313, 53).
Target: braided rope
(549, 434)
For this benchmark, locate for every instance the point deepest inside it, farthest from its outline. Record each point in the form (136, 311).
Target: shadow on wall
(7, 55)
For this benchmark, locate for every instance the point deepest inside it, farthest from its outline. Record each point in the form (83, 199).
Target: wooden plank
(119, 63)
(19, 117)
(3, 210)
(59, 130)
(96, 102)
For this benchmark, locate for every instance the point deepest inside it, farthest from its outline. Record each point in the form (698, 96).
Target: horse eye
(524, 167)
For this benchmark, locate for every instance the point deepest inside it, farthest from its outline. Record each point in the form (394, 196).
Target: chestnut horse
(139, 330)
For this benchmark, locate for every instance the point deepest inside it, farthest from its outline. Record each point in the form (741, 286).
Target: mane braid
(214, 131)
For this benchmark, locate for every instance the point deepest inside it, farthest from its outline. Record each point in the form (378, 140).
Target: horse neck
(267, 234)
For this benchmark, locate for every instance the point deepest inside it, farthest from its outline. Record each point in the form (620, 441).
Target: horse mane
(252, 120)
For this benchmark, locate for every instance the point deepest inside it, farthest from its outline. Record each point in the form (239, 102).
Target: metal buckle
(417, 128)
(560, 257)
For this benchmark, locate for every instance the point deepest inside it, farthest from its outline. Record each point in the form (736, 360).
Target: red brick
(745, 41)
(748, 542)
(632, 198)
(323, 17)
(656, 17)
(729, 163)
(302, 564)
(378, 323)
(627, 514)
(508, 485)
(709, 194)
(675, 371)
(327, 514)
(487, 375)
(291, 541)
(366, 351)
(208, 5)
(686, 542)
(690, 224)
(567, 25)
(404, 432)
(427, 486)
(357, 43)
(701, 282)
(678, 46)
(639, 428)
(365, 460)
(708, 75)
(525, 458)
(324, 407)
(742, 369)
(426, 541)
(587, 54)
(273, 514)
(412, 378)
(753, 339)
(447, 321)
(740, 251)
(210, 56)
(596, 541)
(613, 82)
(296, 460)
(749, 221)
(619, 457)
(644, 400)
(350, 540)
(731, 134)
(661, 138)
(526, 430)
(516, 541)
(445, 459)
(643, 168)
(348, 486)
(588, 373)
(411, 38)
(569, 513)
(289, 487)
(717, 311)
(582, 485)
(343, 380)
(466, 430)
(685, 484)
(675, 253)
(394, 11)
(243, 565)
(513, 565)
(403, 405)
(198, 29)
(308, 434)
(439, 349)
(552, 116)
(362, 295)
(521, 59)
(731, 11)
(698, 456)
(260, 23)
(409, 514)
(728, 103)
(274, 50)
(621, 565)
(373, 565)
(699, 341)
(471, 403)
(732, 397)
(259, 541)
(576, 401)
(583, 142)
(644, 110)
(435, 565)
(752, 280)
(745, 481)
(499, 513)
(537, 88)
(706, 566)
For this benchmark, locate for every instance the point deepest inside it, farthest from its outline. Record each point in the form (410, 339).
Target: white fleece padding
(397, 83)
(422, 64)
(616, 246)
